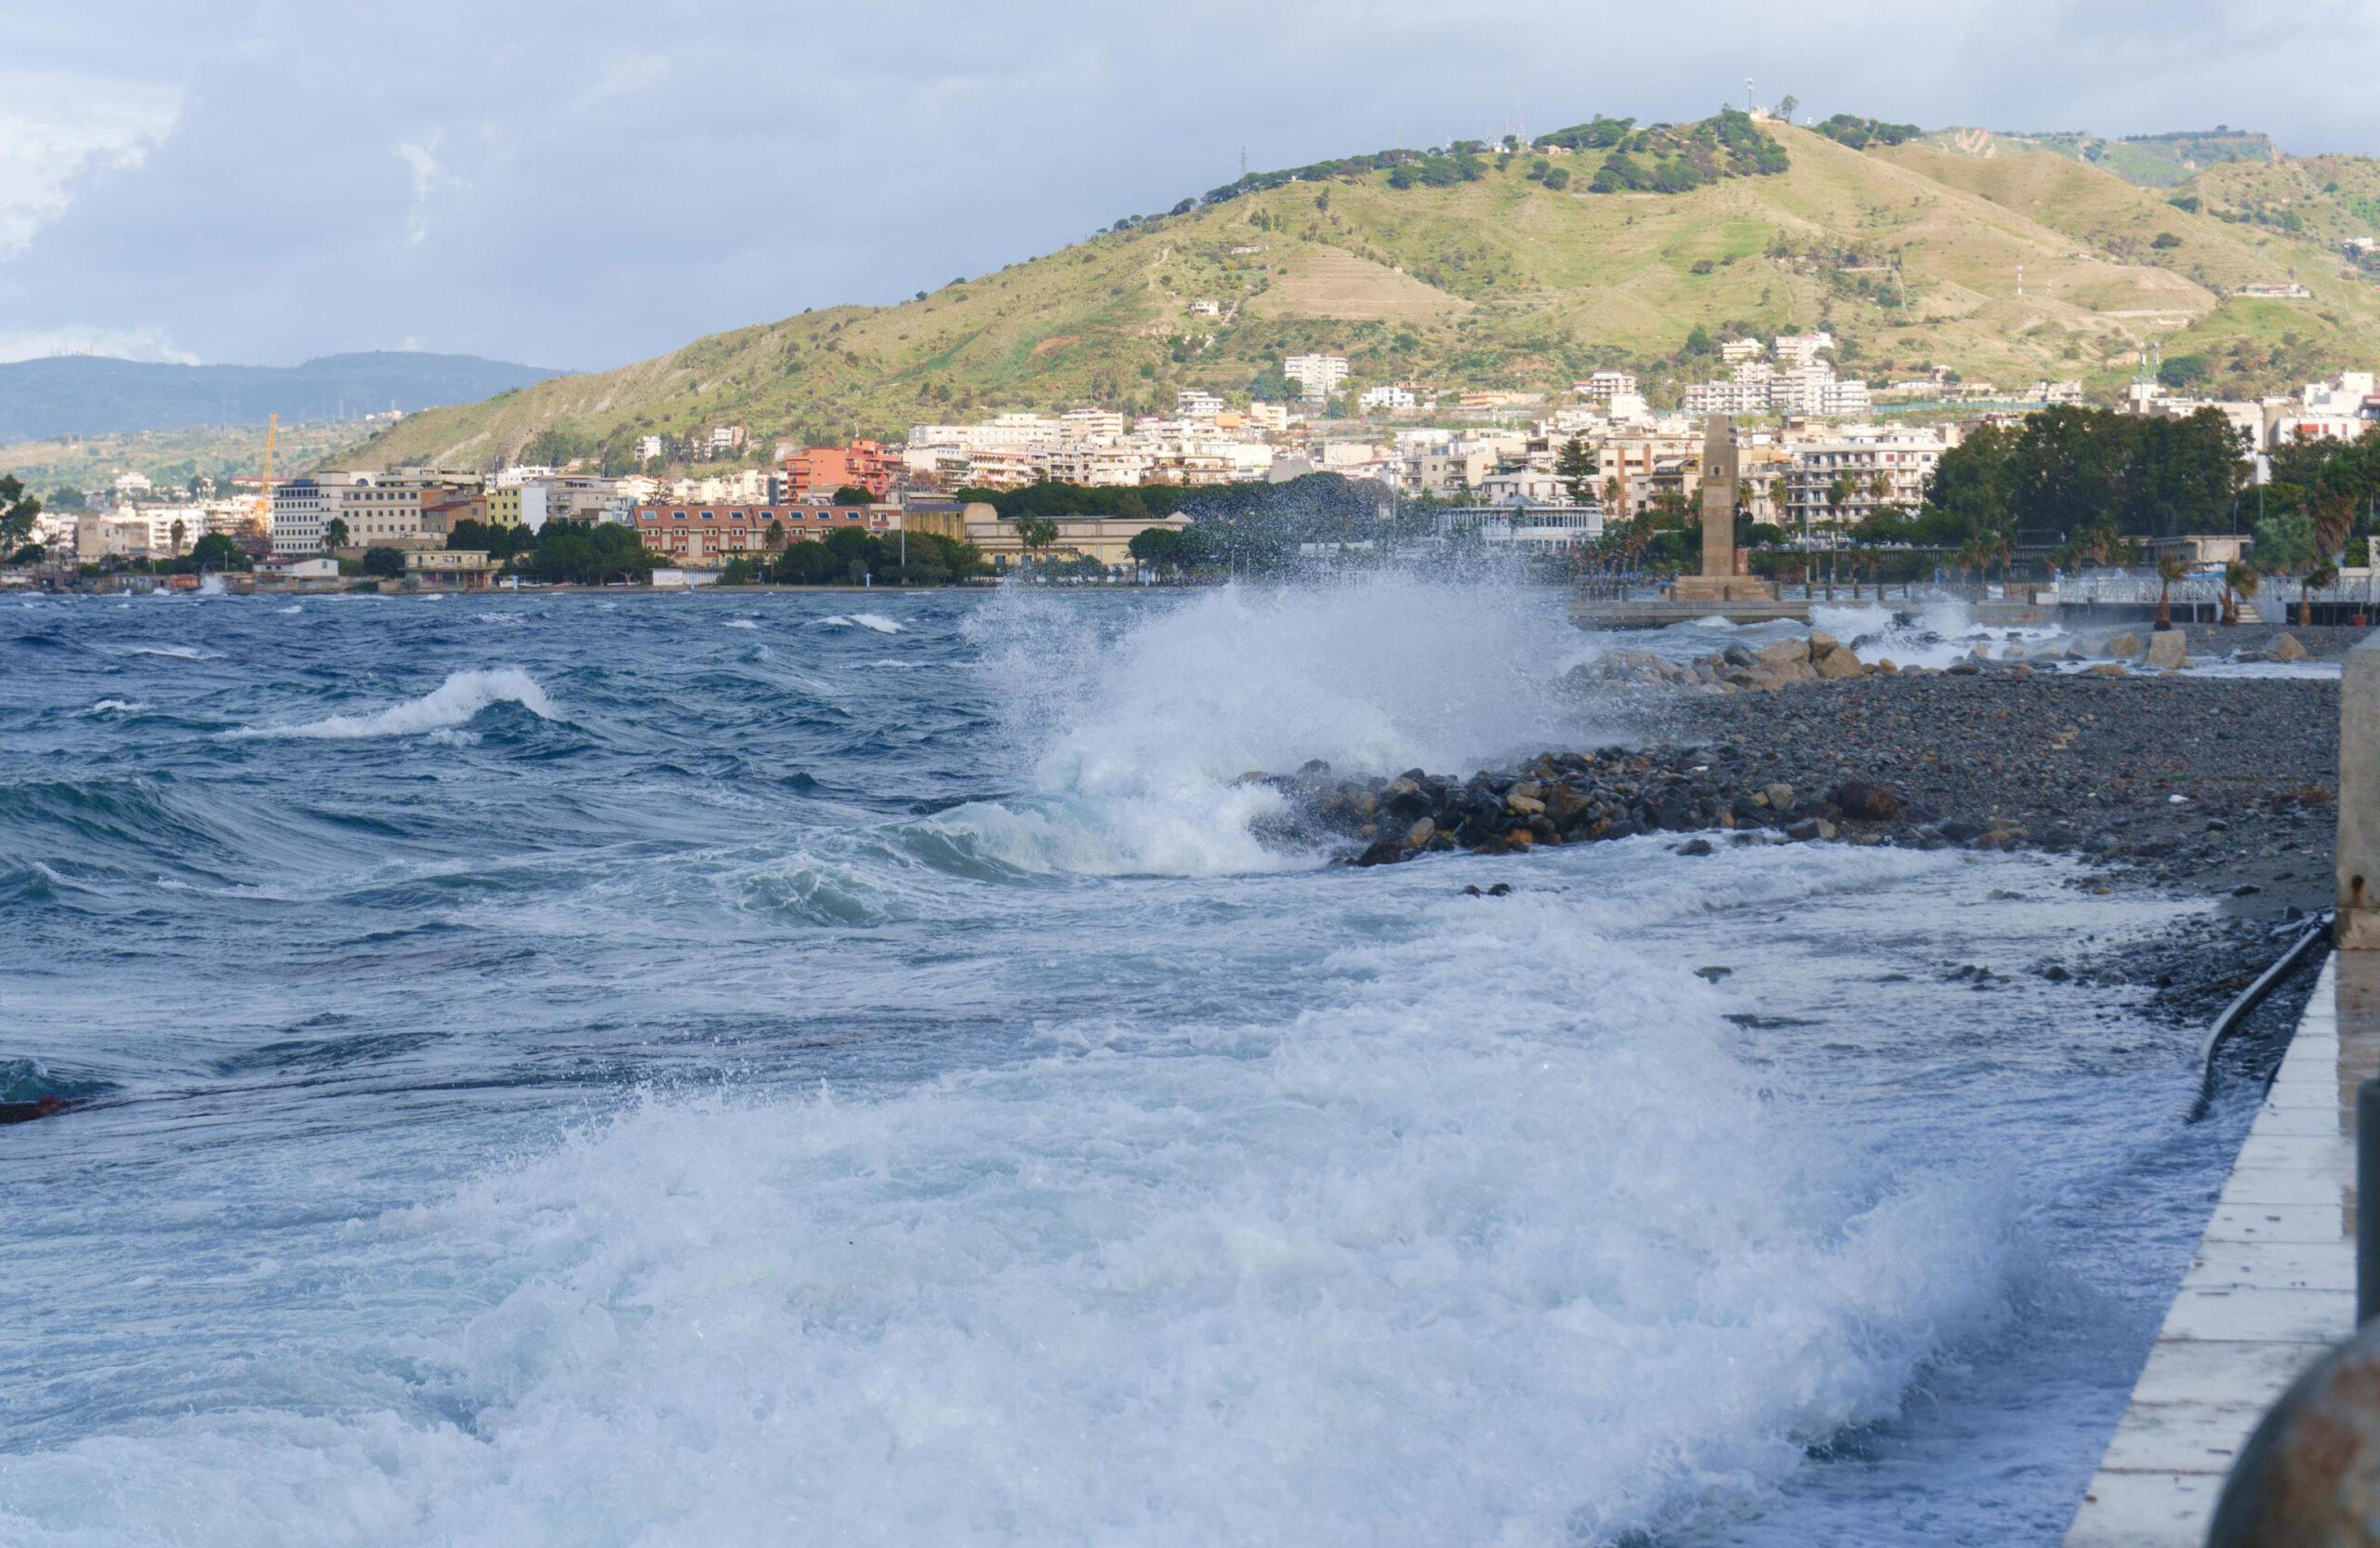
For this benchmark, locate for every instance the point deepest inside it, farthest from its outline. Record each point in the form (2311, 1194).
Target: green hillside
(1480, 269)
(2153, 161)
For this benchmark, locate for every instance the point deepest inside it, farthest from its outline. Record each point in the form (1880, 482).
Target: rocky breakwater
(1819, 659)
(1710, 793)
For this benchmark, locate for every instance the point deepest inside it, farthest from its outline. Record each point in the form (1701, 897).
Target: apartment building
(1192, 402)
(378, 510)
(818, 471)
(704, 536)
(1605, 385)
(1388, 397)
(1867, 465)
(1320, 375)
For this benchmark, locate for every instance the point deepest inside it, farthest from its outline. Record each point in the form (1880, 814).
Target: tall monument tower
(1719, 480)
(1721, 475)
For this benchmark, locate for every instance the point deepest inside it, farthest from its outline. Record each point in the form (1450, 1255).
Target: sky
(579, 185)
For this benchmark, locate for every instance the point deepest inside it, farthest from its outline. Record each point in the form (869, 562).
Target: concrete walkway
(2271, 1287)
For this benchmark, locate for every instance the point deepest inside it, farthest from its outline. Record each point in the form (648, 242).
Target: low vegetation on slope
(1517, 267)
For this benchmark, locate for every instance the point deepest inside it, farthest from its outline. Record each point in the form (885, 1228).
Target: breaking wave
(876, 621)
(453, 703)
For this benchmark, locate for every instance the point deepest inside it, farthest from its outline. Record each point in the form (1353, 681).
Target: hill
(95, 395)
(2153, 161)
(1474, 268)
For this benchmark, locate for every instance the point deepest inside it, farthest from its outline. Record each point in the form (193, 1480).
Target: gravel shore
(2093, 766)
(2221, 788)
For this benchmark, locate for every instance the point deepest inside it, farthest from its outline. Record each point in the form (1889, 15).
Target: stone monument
(1721, 578)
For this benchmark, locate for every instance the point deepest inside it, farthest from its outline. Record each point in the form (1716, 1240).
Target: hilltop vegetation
(2153, 161)
(1480, 267)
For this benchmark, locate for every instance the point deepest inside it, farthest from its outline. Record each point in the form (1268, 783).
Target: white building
(1523, 526)
(1739, 352)
(1387, 397)
(1319, 375)
(723, 441)
(1605, 385)
(1795, 351)
(1192, 402)
(1868, 467)
(649, 447)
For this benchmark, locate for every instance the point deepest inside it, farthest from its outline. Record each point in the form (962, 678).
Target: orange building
(817, 474)
(706, 536)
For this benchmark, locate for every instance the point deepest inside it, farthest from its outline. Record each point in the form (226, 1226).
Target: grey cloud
(605, 183)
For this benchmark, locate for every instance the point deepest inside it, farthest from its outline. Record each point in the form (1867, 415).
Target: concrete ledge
(2270, 1289)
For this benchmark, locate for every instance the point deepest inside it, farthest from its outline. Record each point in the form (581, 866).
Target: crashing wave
(453, 703)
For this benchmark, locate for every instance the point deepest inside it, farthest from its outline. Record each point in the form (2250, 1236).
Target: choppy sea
(762, 1069)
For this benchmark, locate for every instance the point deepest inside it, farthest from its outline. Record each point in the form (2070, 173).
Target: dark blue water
(717, 1070)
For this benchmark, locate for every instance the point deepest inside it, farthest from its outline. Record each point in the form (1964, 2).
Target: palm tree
(179, 532)
(2239, 582)
(334, 534)
(2170, 568)
(1838, 494)
(2321, 574)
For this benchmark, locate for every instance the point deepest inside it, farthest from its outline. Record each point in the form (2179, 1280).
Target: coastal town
(1820, 457)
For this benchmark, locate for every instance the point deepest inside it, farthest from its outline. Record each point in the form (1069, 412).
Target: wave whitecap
(876, 621)
(453, 703)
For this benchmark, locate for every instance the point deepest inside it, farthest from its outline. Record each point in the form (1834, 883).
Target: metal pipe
(2317, 928)
(2367, 1189)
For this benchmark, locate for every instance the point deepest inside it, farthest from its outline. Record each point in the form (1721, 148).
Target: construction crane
(264, 495)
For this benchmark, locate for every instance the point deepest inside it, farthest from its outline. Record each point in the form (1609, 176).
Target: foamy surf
(876, 621)
(452, 703)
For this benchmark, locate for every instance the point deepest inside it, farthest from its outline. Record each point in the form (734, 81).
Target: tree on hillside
(1785, 106)
(1574, 466)
(64, 498)
(17, 513)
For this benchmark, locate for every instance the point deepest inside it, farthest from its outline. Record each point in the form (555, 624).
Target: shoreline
(2218, 789)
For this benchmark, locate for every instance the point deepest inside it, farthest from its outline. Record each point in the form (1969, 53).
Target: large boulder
(1836, 665)
(2285, 647)
(1856, 797)
(2168, 649)
(1823, 644)
(1784, 654)
(2122, 647)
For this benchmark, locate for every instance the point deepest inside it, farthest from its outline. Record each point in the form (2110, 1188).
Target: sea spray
(1133, 738)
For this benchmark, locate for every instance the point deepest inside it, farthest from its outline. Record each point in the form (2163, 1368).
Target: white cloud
(152, 344)
(56, 128)
(429, 179)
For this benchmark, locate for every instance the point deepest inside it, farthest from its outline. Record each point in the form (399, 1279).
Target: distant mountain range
(94, 395)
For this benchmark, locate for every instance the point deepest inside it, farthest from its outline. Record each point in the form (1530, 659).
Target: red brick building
(708, 536)
(817, 474)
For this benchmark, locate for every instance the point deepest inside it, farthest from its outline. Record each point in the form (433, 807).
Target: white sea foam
(453, 703)
(116, 707)
(177, 653)
(291, 608)
(741, 623)
(1450, 1254)
(876, 621)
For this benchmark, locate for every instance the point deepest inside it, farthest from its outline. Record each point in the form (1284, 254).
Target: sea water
(728, 1069)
